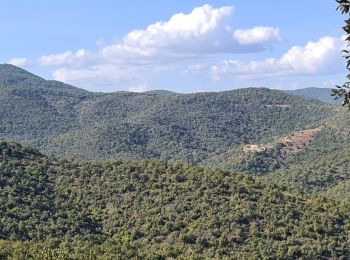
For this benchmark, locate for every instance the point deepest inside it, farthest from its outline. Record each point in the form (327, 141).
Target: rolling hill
(211, 129)
(311, 161)
(60, 209)
(112, 206)
(60, 119)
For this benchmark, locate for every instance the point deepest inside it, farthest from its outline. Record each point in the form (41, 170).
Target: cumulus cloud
(161, 47)
(258, 34)
(314, 58)
(183, 33)
(64, 58)
(100, 71)
(106, 76)
(20, 62)
(204, 31)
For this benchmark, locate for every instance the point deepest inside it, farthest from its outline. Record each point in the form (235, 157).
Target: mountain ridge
(209, 128)
(321, 94)
(60, 119)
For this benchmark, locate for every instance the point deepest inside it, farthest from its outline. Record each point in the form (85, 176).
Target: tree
(344, 90)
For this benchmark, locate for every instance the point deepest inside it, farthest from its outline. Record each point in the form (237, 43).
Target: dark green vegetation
(324, 164)
(342, 91)
(114, 208)
(61, 120)
(55, 209)
(321, 166)
(203, 128)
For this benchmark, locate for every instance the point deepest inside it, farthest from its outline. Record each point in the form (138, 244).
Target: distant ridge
(161, 92)
(321, 94)
(209, 128)
(12, 77)
(75, 123)
(10, 73)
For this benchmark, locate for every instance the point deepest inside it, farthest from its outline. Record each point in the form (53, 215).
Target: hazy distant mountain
(161, 92)
(321, 94)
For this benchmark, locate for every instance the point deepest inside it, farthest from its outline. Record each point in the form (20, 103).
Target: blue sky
(179, 45)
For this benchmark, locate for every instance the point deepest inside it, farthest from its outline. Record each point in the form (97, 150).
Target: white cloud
(64, 58)
(204, 31)
(138, 88)
(163, 47)
(312, 59)
(100, 71)
(108, 77)
(258, 34)
(20, 62)
(182, 33)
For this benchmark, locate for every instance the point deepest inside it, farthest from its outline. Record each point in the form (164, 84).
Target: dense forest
(60, 119)
(163, 175)
(208, 129)
(63, 209)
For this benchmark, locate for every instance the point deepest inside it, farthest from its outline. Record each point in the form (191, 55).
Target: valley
(163, 130)
(247, 173)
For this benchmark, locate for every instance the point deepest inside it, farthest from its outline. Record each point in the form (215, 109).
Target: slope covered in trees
(203, 128)
(324, 163)
(61, 119)
(319, 164)
(149, 209)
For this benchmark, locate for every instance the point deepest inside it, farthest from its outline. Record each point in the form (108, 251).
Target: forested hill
(13, 78)
(63, 209)
(70, 122)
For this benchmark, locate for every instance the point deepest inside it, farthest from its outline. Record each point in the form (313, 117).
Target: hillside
(324, 164)
(314, 160)
(149, 209)
(60, 119)
(321, 94)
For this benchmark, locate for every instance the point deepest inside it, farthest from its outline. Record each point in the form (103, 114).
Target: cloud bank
(191, 44)
(314, 58)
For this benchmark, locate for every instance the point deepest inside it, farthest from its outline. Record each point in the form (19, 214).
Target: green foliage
(64, 209)
(68, 209)
(344, 90)
(61, 120)
(324, 164)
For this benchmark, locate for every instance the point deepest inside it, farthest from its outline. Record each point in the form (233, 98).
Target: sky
(178, 45)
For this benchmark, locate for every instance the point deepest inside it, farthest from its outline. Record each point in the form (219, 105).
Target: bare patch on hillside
(298, 140)
(290, 144)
